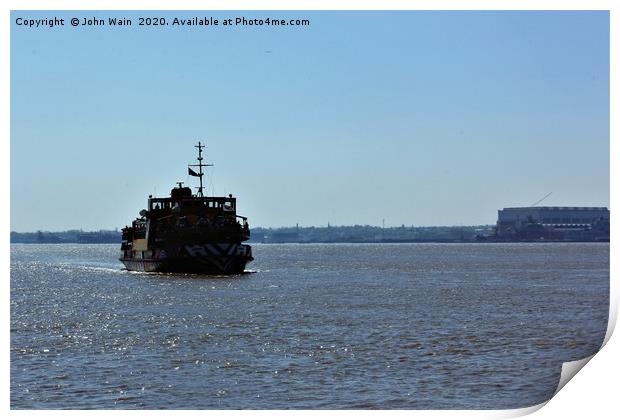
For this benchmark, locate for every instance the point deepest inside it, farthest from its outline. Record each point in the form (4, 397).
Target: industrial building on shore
(588, 224)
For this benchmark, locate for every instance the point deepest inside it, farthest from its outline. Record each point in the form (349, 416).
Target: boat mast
(200, 165)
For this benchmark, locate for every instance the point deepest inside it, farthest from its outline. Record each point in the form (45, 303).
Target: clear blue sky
(420, 118)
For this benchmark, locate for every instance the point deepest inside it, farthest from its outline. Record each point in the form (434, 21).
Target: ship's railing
(218, 224)
(227, 203)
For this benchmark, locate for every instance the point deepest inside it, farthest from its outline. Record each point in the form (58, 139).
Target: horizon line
(274, 227)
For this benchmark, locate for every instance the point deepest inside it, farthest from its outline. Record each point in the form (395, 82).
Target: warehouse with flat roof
(553, 223)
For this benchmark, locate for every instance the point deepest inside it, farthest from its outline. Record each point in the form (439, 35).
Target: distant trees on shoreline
(294, 234)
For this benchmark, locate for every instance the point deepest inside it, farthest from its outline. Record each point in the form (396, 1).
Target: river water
(339, 326)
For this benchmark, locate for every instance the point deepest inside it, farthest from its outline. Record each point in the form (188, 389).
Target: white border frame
(596, 385)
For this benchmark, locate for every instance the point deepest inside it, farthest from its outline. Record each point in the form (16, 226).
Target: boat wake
(100, 269)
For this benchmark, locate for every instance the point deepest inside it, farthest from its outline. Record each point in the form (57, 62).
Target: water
(314, 326)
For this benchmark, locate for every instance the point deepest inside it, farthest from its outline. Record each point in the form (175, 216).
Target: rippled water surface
(314, 326)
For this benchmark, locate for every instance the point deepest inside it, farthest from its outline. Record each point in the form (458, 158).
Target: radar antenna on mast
(200, 165)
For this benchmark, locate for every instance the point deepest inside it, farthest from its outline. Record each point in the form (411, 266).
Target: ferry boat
(188, 233)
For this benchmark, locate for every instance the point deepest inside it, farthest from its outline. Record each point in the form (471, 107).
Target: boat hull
(217, 259)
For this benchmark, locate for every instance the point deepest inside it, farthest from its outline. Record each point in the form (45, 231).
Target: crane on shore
(542, 199)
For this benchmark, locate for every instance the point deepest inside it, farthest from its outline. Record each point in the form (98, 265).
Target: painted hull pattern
(222, 259)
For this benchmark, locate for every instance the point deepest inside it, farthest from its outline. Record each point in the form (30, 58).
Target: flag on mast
(192, 173)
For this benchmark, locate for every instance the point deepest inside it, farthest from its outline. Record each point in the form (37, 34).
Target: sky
(418, 118)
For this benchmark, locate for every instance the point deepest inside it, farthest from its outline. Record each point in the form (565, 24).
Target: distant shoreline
(344, 243)
(310, 235)
(292, 234)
